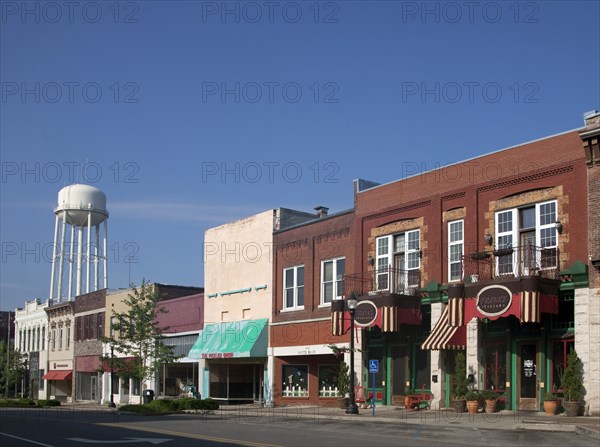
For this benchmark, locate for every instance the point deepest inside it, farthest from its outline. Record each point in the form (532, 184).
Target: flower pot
(472, 406)
(343, 402)
(490, 406)
(571, 408)
(550, 407)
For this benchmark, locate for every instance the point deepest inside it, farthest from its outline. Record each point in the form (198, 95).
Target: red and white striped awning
(444, 336)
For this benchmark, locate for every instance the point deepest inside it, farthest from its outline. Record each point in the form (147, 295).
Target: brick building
(309, 263)
(89, 312)
(497, 249)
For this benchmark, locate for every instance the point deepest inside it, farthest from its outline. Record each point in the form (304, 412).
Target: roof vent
(321, 211)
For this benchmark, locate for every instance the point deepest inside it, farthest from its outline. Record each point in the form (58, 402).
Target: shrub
(196, 404)
(550, 397)
(163, 405)
(48, 403)
(142, 409)
(460, 383)
(489, 395)
(472, 395)
(571, 382)
(24, 402)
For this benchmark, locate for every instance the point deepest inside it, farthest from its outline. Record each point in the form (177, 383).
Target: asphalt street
(29, 427)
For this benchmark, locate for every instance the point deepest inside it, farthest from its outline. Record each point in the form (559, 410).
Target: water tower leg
(97, 229)
(89, 249)
(79, 256)
(62, 256)
(106, 254)
(71, 248)
(54, 255)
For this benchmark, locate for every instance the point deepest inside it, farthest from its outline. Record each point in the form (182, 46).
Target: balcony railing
(383, 281)
(511, 262)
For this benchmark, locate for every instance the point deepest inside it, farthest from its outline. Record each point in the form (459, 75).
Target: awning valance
(235, 339)
(444, 336)
(66, 374)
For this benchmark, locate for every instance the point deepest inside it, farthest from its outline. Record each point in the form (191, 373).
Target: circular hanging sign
(494, 300)
(365, 313)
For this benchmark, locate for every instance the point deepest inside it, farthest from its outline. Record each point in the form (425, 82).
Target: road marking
(190, 435)
(120, 441)
(26, 440)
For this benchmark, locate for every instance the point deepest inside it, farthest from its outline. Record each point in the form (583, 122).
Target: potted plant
(343, 384)
(472, 398)
(505, 251)
(550, 404)
(460, 383)
(572, 384)
(490, 398)
(479, 255)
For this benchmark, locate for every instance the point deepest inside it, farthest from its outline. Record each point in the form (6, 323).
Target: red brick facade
(550, 168)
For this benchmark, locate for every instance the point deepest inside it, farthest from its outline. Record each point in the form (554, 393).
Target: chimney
(321, 211)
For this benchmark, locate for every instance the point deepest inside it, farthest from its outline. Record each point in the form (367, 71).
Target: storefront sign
(494, 300)
(62, 365)
(365, 313)
(218, 355)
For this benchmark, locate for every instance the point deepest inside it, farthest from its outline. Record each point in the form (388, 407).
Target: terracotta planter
(571, 408)
(472, 406)
(490, 406)
(550, 407)
(406, 402)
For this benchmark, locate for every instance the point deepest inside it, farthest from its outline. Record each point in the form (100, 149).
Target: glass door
(528, 381)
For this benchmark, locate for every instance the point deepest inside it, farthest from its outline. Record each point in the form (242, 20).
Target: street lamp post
(112, 399)
(352, 408)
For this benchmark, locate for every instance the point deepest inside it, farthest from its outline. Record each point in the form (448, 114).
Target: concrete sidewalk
(503, 420)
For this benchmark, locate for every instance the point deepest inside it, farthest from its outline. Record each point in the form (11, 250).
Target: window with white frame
(398, 261)
(455, 248)
(332, 271)
(60, 338)
(293, 287)
(526, 238)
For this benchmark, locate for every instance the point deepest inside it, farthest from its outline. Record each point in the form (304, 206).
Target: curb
(584, 431)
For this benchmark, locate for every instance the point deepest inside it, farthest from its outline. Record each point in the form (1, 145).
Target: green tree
(138, 334)
(460, 382)
(572, 378)
(12, 367)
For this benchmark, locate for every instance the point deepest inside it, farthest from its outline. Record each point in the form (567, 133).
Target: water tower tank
(79, 259)
(75, 203)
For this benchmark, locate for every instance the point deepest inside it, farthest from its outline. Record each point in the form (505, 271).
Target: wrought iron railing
(526, 260)
(383, 281)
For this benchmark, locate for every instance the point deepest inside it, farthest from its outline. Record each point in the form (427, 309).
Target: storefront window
(115, 383)
(328, 376)
(294, 381)
(560, 350)
(495, 366)
(135, 385)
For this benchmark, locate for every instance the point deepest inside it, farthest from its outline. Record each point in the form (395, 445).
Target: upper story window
(455, 248)
(531, 232)
(332, 271)
(398, 261)
(293, 287)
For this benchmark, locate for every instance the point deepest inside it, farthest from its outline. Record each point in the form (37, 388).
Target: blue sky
(192, 114)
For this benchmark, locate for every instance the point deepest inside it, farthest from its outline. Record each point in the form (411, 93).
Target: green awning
(231, 340)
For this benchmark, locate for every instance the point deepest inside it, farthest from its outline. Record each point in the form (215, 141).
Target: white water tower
(80, 211)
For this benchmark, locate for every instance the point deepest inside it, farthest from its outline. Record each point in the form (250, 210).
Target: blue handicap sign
(373, 366)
